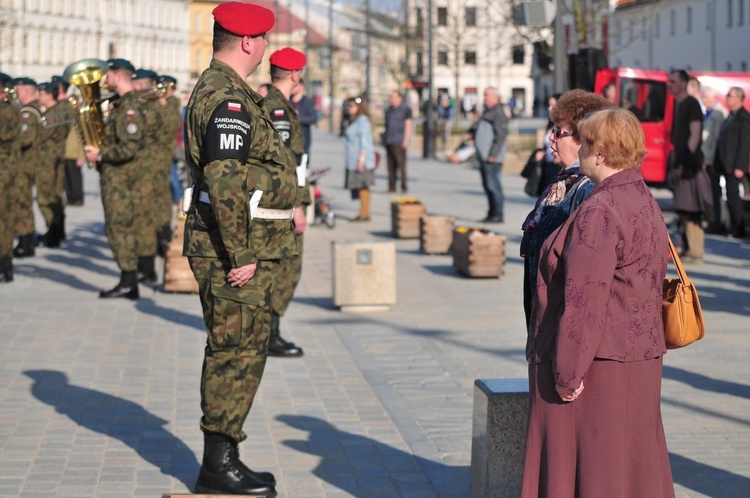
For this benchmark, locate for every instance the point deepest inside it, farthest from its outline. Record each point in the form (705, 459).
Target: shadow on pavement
(120, 419)
(149, 307)
(82, 262)
(706, 479)
(55, 276)
(362, 466)
(704, 383)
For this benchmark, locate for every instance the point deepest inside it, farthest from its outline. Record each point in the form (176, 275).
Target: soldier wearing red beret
(286, 72)
(238, 228)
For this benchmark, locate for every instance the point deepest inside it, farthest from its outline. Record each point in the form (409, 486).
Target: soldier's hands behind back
(237, 277)
(300, 220)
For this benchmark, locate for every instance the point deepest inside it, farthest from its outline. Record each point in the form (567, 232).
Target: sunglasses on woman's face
(558, 133)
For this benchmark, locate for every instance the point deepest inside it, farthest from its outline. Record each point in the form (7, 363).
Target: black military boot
(146, 271)
(51, 238)
(277, 346)
(25, 247)
(222, 471)
(163, 238)
(6, 270)
(127, 288)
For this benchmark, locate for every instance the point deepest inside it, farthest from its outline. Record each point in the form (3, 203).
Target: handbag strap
(677, 263)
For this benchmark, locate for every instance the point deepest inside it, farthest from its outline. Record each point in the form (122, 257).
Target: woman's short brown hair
(617, 135)
(575, 105)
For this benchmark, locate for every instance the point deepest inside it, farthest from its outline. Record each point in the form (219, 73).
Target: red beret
(244, 19)
(289, 59)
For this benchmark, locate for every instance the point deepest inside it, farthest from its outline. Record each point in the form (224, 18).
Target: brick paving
(100, 397)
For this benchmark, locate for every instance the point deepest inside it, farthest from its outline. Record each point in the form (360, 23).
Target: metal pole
(330, 65)
(559, 51)
(367, 47)
(307, 29)
(429, 124)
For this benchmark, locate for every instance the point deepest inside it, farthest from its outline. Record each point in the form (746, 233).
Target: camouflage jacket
(170, 126)
(31, 134)
(54, 133)
(232, 148)
(125, 132)
(10, 129)
(152, 147)
(286, 121)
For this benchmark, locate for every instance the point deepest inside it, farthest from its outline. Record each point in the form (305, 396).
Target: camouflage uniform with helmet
(10, 151)
(287, 122)
(232, 150)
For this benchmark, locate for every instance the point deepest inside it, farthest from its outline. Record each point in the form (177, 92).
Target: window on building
(689, 20)
(470, 58)
(743, 66)
(442, 58)
(644, 27)
(471, 16)
(113, 50)
(657, 26)
(730, 9)
(420, 64)
(729, 66)
(442, 14)
(518, 53)
(672, 22)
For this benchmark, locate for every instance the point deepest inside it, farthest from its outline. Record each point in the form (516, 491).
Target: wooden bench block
(478, 254)
(405, 219)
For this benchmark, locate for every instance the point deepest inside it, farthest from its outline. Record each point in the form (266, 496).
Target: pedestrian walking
(360, 156)
(398, 126)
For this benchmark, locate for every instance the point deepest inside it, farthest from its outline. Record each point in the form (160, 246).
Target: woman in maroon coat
(596, 339)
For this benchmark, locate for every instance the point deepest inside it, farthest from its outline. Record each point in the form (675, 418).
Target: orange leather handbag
(681, 309)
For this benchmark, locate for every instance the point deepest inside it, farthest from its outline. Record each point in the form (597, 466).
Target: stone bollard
(498, 437)
(364, 276)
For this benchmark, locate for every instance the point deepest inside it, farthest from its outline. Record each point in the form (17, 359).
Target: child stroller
(323, 211)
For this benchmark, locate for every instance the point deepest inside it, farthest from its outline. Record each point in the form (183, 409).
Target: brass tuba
(86, 75)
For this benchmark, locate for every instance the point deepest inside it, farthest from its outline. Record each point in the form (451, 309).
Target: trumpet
(152, 93)
(9, 94)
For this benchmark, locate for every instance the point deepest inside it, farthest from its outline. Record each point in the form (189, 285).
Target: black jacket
(733, 149)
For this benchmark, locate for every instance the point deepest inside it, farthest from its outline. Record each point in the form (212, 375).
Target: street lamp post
(367, 48)
(330, 64)
(428, 126)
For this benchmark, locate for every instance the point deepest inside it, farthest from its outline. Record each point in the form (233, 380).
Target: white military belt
(261, 213)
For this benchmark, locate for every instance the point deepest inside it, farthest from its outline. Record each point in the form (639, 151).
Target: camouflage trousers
(118, 187)
(23, 202)
(238, 322)
(6, 225)
(163, 193)
(144, 228)
(290, 271)
(48, 196)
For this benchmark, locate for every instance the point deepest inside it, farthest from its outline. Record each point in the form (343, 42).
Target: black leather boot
(277, 346)
(127, 288)
(25, 247)
(146, 271)
(51, 238)
(6, 270)
(163, 238)
(222, 471)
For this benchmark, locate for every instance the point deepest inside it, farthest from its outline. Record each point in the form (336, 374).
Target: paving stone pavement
(100, 397)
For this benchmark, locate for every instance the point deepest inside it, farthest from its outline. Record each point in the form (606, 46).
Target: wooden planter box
(178, 277)
(435, 234)
(405, 219)
(478, 254)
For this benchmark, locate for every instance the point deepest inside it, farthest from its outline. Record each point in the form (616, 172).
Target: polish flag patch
(131, 113)
(278, 113)
(234, 106)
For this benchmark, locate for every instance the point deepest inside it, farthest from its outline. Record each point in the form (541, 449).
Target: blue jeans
(492, 187)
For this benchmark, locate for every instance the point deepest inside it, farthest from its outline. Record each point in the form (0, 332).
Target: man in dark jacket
(733, 155)
(490, 139)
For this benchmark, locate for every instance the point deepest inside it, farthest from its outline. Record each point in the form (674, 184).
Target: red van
(644, 92)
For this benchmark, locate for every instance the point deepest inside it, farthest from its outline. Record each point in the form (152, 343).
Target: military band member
(286, 72)
(54, 133)
(31, 148)
(236, 159)
(144, 82)
(73, 158)
(10, 152)
(119, 155)
(169, 109)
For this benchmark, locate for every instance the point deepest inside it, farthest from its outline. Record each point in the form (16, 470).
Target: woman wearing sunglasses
(567, 190)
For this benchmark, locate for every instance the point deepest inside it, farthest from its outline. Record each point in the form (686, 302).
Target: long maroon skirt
(608, 443)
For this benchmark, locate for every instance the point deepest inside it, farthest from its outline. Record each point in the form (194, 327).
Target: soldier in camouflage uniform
(119, 157)
(10, 152)
(286, 72)
(234, 154)
(49, 170)
(146, 202)
(31, 148)
(170, 117)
